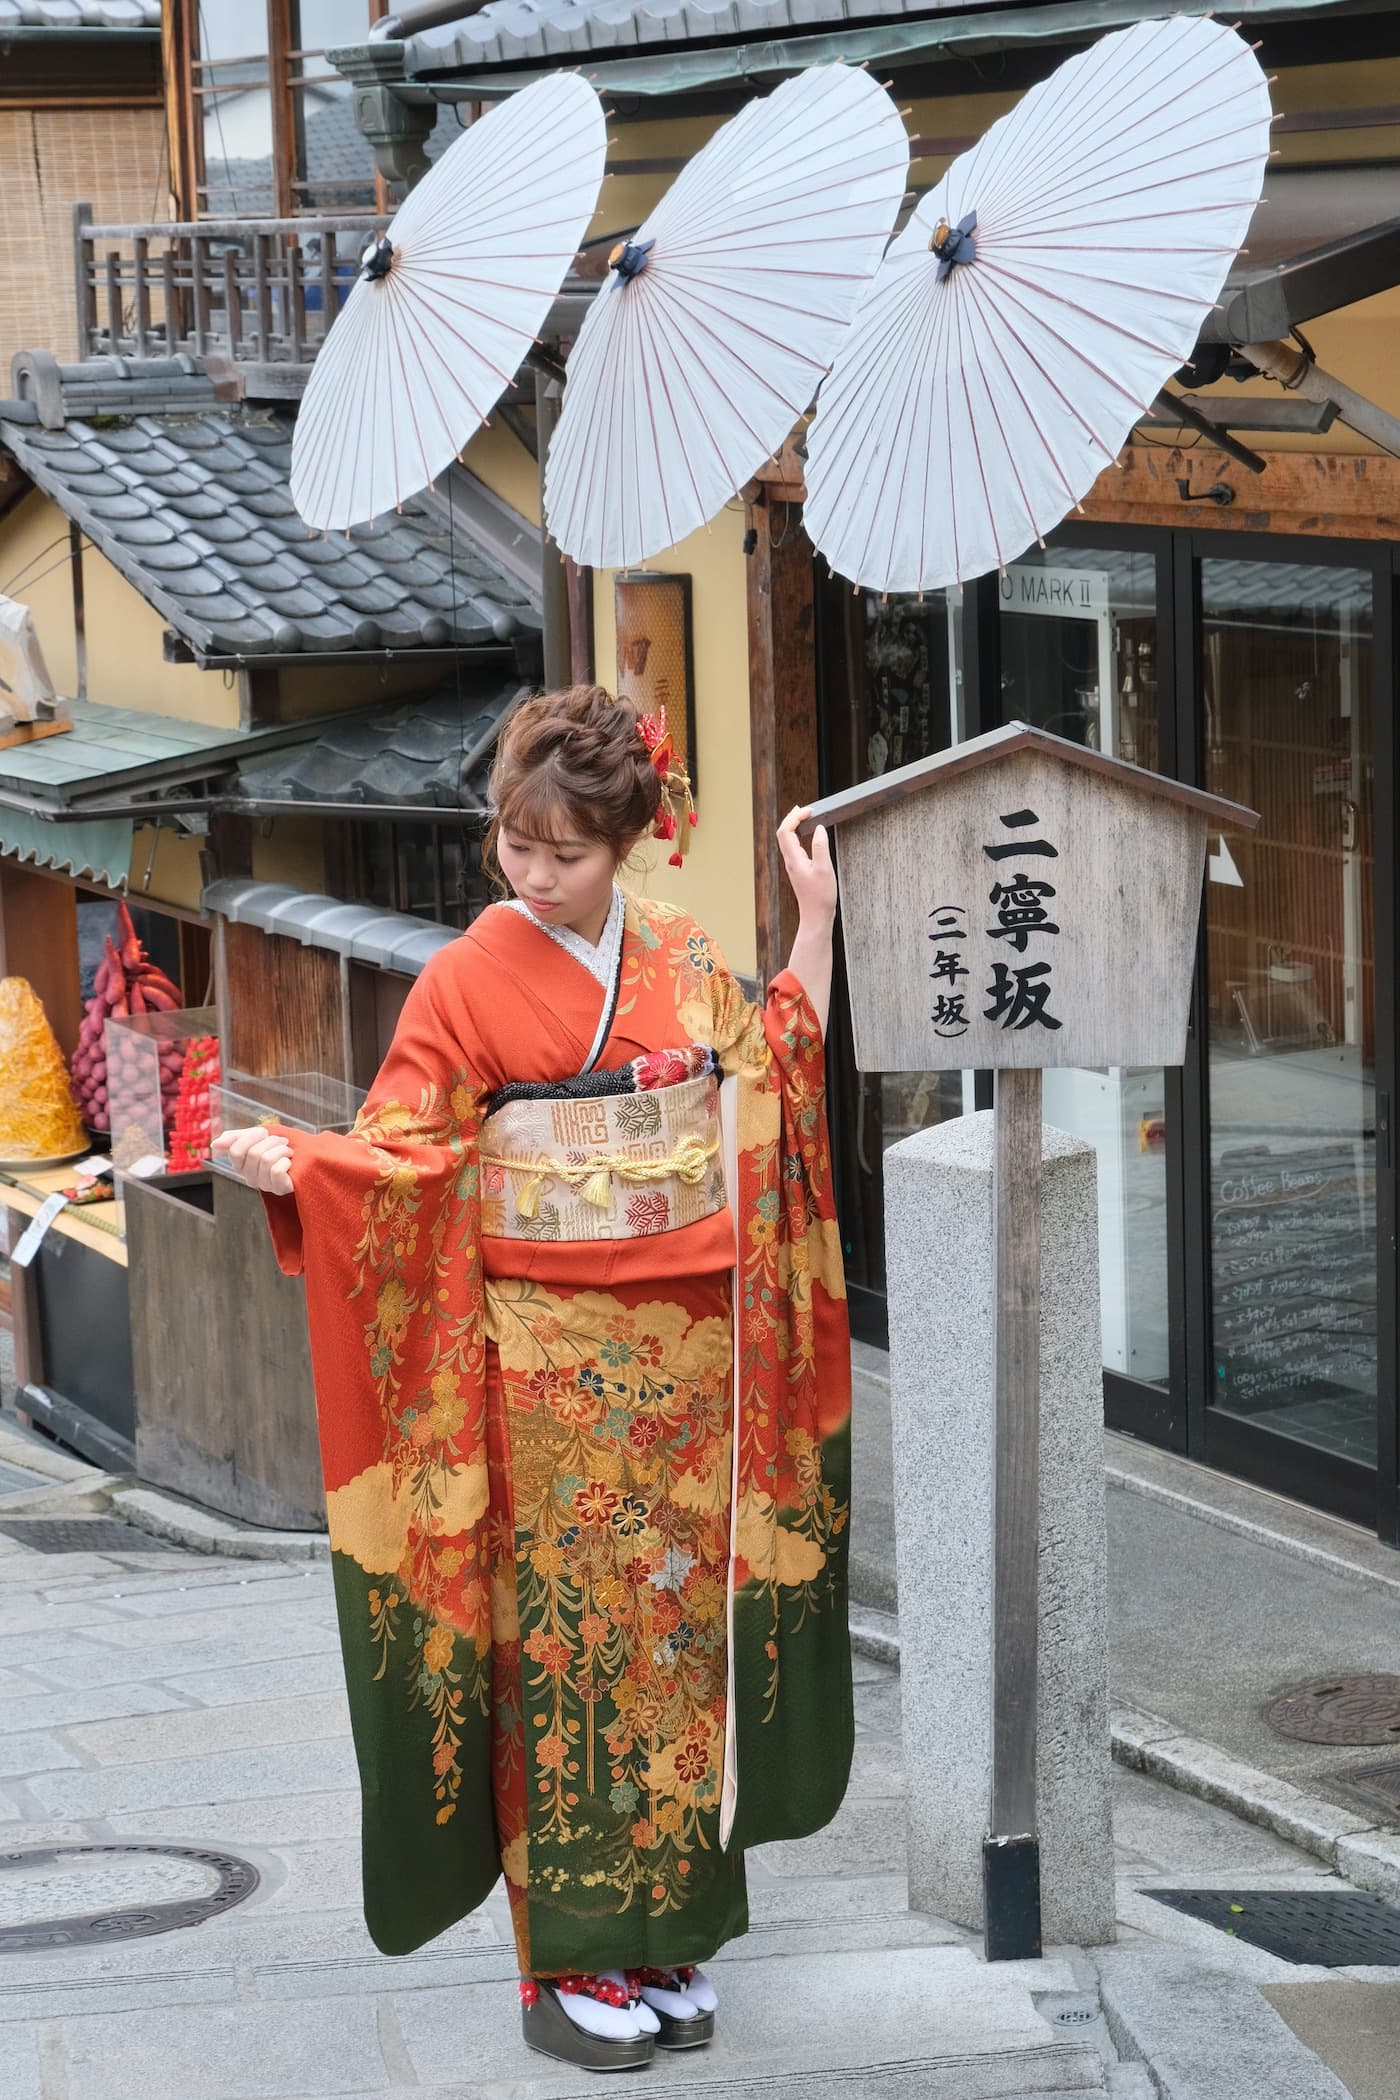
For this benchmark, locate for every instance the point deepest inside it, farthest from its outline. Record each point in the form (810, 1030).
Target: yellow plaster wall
(174, 872)
(292, 850)
(717, 881)
(125, 667)
(35, 569)
(497, 457)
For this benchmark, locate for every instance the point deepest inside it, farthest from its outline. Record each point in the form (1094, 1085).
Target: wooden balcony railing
(260, 291)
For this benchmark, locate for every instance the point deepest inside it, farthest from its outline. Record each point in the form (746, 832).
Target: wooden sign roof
(932, 772)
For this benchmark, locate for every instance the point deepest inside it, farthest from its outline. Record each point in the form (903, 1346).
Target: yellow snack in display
(38, 1116)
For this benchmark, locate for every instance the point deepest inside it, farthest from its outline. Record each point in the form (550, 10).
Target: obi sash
(605, 1166)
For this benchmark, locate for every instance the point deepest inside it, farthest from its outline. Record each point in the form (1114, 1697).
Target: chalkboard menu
(1294, 1259)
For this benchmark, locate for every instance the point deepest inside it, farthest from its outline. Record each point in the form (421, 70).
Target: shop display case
(301, 1100)
(145, 1057)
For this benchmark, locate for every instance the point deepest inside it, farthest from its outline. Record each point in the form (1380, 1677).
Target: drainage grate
(1073, 2016)
(1374, 1786)
(80, 1535)
(58, 1875)
(1332, 1928)
(1361, 1708)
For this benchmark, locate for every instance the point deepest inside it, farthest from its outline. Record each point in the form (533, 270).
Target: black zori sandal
(675, 2032)
(547, 2027)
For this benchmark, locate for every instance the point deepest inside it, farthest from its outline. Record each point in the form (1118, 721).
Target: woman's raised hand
(262, 1157)
(812, 875)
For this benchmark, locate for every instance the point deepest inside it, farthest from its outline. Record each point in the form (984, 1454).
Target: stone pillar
(938, 1216)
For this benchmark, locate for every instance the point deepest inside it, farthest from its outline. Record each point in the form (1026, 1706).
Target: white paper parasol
(448, 304)
(981, 390)
(709, 341)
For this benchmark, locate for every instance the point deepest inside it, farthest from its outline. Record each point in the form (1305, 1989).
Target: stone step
(1055, 2072)
(1186, 2016)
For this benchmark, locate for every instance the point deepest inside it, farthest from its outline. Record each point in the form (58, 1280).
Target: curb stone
(201, 1531)
(1351, 1844)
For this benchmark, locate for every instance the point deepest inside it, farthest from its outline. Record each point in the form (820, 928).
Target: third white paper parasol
(1035, 305)
(448, 302)
(722, 312)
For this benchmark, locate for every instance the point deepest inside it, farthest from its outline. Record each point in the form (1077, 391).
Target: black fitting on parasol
(954, 244)
(377, 260)
(629, 259)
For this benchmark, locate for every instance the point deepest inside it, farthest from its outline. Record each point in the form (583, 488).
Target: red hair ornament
(675, 786)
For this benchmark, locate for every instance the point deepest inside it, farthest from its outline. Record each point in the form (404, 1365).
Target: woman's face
(564, 881)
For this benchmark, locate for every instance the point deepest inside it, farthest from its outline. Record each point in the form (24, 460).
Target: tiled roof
(79, 14)
(408, 755)
(195, 511)
(506, 31)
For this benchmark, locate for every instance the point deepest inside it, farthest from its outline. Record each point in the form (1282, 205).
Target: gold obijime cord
(593, 1178)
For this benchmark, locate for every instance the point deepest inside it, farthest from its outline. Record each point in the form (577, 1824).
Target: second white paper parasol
(721, 314)
(1035, 305)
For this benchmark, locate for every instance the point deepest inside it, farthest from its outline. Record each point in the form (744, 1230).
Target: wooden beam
(782, 709)
(1334, 495)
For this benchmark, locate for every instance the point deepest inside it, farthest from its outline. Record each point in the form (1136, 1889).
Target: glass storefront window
(1288, 711)
(1079, 658)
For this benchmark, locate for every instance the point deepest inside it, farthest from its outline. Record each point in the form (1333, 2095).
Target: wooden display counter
(223, 1367)
(72, 1322)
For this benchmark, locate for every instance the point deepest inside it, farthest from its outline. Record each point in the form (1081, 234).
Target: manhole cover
(80, 1535)
(88, 1895)
(1374, 1786)
(1332, 1928)
(1362, 1708)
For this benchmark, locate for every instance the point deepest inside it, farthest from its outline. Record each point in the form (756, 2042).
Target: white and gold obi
(613, 1167)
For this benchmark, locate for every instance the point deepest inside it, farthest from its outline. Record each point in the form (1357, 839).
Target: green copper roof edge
(930, 37)
(100, 850)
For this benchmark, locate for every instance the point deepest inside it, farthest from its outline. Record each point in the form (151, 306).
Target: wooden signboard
(1021, 902)
(1015, 903)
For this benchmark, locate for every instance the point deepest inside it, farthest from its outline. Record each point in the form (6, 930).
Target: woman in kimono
(582, 1368)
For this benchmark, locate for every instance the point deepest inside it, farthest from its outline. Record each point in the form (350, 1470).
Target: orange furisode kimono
(587, 1499)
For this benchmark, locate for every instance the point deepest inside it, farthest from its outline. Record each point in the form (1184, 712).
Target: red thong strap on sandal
(575, 1987)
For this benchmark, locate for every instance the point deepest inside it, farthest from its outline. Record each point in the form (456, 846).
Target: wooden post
(1011, 1854)
(140, 260)
(782, 709)
(84, 288)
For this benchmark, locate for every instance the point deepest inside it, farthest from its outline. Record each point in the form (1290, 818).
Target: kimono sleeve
(384, 1224)
(791, 1655)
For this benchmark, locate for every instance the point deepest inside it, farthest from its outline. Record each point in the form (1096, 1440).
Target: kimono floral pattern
(617, 1419)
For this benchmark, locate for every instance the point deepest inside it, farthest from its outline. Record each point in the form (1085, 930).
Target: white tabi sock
(611, 2023)
(641, 2013)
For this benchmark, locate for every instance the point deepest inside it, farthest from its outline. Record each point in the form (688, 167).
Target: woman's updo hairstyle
(571, 764)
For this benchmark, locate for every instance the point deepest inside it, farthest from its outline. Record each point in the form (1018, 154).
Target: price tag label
(31, 1239)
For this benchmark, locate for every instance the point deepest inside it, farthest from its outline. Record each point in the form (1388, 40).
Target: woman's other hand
(262, 1157)
(812, 875)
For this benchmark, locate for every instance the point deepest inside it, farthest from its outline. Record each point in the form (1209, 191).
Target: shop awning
(1323, 238)
(478, 56)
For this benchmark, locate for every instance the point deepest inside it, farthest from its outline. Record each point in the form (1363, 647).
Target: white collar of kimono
(600, 962)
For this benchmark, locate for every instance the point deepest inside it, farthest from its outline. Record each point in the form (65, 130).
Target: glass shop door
(1288, 1076)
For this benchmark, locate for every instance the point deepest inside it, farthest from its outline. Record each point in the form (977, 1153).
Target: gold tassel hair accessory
(675, 786)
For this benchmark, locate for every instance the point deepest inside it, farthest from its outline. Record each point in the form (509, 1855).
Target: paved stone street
(170, 1698)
